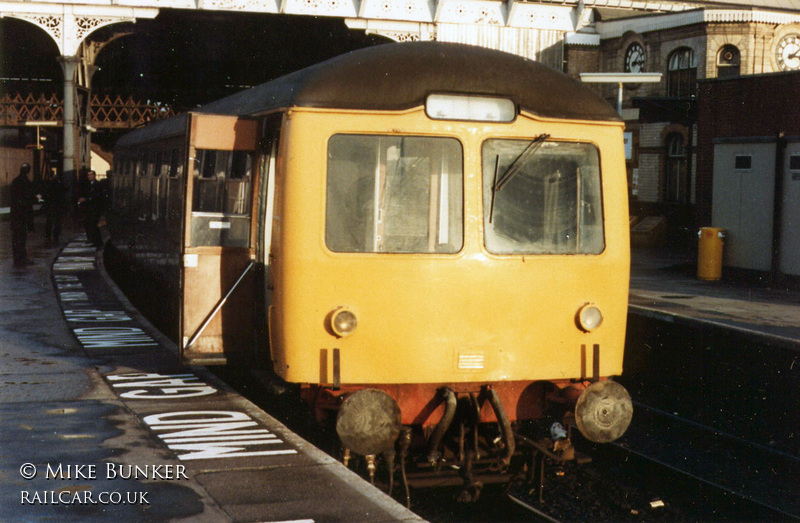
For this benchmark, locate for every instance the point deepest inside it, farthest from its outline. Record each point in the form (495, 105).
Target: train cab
(428, 222)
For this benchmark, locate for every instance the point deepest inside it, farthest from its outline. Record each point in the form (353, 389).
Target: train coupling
(558, 446)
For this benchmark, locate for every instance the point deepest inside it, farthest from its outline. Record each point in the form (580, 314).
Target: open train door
(217, 311)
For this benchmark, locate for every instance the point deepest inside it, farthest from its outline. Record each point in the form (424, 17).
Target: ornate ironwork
(108, 112)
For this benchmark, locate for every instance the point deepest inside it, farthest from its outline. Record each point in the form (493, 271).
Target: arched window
(682, 73)
(675, 185)
(728, 60)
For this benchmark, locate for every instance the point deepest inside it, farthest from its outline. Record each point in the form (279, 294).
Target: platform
(99, 422)
(664, 286)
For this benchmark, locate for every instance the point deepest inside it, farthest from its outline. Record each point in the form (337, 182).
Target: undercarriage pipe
(505, 425)
(476, 414)
(404, 442)
(442, 426)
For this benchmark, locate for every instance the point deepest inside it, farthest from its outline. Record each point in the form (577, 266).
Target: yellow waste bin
(709, 253)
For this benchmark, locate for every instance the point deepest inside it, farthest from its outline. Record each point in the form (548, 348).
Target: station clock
(787, 52)
(634, 58)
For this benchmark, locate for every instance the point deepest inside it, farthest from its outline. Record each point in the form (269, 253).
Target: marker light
(342, 322)
(464, 107)
(589, 317)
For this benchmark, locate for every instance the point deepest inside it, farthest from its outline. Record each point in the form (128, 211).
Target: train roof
(158, 130)
(400, 76)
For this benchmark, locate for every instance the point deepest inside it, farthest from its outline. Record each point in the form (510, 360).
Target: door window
(222, 197)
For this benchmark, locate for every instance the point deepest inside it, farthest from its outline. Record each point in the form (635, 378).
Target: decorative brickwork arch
(728, 61)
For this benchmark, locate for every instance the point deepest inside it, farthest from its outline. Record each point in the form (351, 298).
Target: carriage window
(221, 203)
(398, 194)
(130, 182)
(174, 163)
(150, 165)
(222, 181)
(157, 164)
(548, 200)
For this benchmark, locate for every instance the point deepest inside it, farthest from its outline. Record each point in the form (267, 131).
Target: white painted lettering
(95, 316)
(215, 434)
(158, 386)
(145, 375)
(65, 286)
(213, 429)
(246, 436)
(76, 259)
(224, 450)
(103, 337)
(167, 382)
(183, 392)
(72, 267)
(73, 296)
(198, 416)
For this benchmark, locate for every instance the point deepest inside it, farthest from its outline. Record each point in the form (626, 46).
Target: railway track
(668, 468)
(761, 474)
(665, 468)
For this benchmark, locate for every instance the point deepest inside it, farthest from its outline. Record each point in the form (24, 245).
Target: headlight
(342, 322)
(589, 317)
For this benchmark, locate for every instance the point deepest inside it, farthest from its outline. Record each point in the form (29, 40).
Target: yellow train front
(467, 234)
(443, 228)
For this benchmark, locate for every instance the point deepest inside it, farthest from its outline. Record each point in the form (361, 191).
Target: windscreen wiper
(520, 161)
(514, 168)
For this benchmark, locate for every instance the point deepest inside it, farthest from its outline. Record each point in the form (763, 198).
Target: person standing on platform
(93, 200)
(54, 193)
(22, 200)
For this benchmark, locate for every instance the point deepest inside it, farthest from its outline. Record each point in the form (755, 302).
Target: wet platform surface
(99, 422)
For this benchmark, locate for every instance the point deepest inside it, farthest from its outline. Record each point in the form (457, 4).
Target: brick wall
(760, 106)
(581, 59)
(650, 134)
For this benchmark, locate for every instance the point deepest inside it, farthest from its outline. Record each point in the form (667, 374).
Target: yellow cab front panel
(468, 315)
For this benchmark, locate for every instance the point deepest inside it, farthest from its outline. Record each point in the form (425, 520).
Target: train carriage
(403, 229)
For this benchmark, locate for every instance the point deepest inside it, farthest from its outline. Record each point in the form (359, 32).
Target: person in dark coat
(93, 201)
(22, 199)
(53, 193)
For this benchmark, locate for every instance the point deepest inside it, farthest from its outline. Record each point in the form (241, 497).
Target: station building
(669, 177)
